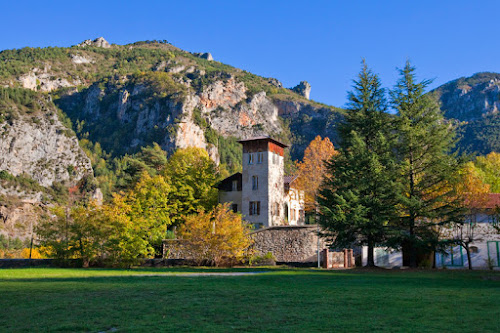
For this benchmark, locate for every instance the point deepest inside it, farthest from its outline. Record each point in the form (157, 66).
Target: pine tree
(359, 193)
(427, 166)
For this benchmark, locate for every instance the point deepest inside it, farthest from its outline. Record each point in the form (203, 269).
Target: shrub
(266, 260)
(216, 237)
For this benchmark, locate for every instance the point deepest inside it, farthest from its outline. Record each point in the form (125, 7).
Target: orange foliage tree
(312, 169)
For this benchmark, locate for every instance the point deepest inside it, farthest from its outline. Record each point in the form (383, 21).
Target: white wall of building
(294, 200)
(383, 257)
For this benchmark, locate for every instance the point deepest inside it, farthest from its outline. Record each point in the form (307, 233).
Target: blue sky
(322, 42)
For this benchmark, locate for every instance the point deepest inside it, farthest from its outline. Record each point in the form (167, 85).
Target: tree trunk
(413, 248)
(370, 262)
(467, 250)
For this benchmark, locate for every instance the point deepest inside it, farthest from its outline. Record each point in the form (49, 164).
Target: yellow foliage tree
(35, 254)
(488, 169)
(473, 194)
(215, 236)
(312, 169)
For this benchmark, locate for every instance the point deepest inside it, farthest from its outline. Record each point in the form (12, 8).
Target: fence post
(325, 258)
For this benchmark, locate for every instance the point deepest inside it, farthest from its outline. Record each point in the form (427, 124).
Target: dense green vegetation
(294, 300)
(395, 182)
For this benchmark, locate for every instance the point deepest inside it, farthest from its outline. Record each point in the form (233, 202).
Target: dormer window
(250, 158)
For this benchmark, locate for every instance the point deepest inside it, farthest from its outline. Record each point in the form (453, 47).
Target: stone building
(485, 249)
(261, 192)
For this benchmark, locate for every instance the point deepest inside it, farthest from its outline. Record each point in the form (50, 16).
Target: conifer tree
(427, 166)
(359, 193)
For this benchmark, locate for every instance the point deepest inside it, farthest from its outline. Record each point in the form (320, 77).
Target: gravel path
(200, 274)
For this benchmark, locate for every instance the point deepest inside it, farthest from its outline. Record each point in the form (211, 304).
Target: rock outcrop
(98, 42)
(470, 98)
(41, 147)
(43, 80)
(303, 89)
(206, 55)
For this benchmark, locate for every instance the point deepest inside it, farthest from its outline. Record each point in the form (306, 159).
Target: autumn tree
(74, 232)
(312, 170)
(473, 194)
(216, 235)
(128, 239)
(488, 168)
(427, 166)
(358, 198)
(193, 175)
(152, 207)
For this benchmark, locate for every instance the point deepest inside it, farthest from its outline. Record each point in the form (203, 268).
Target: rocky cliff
(474, 102)
(34, 142)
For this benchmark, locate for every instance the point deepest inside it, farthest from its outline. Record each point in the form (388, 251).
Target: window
(276, 209)
(275, 158)
(235, 185)
(254, 208)
(453, 257)
(250, 158)
(260, 157)
(234, 207)
(255, 182)
(493, 253)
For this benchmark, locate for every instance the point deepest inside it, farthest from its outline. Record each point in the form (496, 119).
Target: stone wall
(289, 243)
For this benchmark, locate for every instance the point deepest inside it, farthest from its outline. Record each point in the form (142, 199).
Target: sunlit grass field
(289, 300)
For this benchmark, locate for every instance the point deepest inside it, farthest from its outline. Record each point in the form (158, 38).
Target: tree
(312, 169)
(359, 192)
(127, 239)
(488, 168)
(152, 207)
(193, 175)
(216, 235)
(427, 166)
(74, 232)
(474, 195)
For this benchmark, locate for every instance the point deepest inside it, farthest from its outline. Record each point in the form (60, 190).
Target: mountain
(474, 102)
(113, 100)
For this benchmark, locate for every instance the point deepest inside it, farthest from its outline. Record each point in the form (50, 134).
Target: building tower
(262, 197)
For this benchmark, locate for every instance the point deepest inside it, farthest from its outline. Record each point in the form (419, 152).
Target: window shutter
(258, 207)
(250, 208)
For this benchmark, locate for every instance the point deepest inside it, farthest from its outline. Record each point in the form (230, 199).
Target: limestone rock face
(303, 88)
(255, 118)
(78, 59)
(43, 80)
(206, 55)
(223, 94)
(469, 99)
(43, 148)
(98, 42)
(18, 219)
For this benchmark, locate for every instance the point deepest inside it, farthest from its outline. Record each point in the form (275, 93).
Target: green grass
(307, 300)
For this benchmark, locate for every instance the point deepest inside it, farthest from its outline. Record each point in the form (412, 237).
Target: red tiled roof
(491, 202)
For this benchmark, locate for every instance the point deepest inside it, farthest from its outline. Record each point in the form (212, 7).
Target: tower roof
(263, 138)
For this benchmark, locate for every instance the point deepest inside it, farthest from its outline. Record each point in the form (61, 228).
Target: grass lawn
(290, 300)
